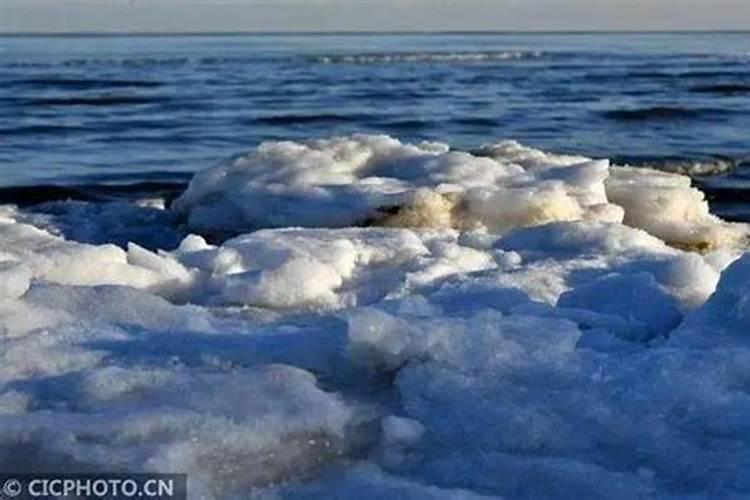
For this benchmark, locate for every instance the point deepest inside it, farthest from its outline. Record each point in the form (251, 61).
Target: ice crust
(502, 324)
(377, 180)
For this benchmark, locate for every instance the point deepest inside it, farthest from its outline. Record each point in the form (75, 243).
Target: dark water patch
(25, 130)
(322, 118)
(670, 75)
(166, 138)
(725, 193)
(387, 95)
(32, 195)
(379, 79)
(722, 88)
(142, 124)
(125, 179)
(98, 101)
(660, 113)
(716, 74)
(81, 83)
(482, 79)
(25, 196)
(403, 125)
(26, 65)
(732, 211)
(223, 60)
(620, 76)
(100, 127)
(650, 75)
(276, 95)
(477, 121)
(645, 92)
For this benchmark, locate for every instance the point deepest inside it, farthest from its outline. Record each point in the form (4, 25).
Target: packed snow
(357, 316)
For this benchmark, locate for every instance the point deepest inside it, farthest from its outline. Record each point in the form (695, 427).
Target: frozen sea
(434, 266)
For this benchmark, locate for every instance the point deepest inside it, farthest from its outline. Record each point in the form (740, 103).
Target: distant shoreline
(365, 33)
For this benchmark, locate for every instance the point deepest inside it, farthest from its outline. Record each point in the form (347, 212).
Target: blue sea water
(119, 109)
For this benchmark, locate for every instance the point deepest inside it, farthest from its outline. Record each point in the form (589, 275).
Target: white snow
(386, 319)
(378, 180)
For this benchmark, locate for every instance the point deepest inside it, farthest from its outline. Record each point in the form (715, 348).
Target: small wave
(141, 62)
(672, 75)
(425, 57)
(91, 101)
(130, 61)
(33, 130)
(398, 94)
(96, 62)
(233, 60)
(692, 167)
(651, 75)
(721, 88)
(82, 83)
(658, 113)
(699, 168)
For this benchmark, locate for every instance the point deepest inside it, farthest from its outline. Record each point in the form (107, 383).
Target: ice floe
(377, 180)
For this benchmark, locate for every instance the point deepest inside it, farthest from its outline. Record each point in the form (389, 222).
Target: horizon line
(365, 32)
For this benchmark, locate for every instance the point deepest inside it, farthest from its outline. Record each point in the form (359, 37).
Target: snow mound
(52, 258)
(297, 268)
(524, 407)
(377, 180)
(725, 317)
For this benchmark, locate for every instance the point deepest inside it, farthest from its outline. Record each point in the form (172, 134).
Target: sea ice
(359, 317)
(377, 180)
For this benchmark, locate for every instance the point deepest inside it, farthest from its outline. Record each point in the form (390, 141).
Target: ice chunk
(119, 305)
(382, 341)
(401, 431)
(229, 431)
(14, 279)
(635, 297)
(725, 318)
(666, 206)
(512, 393)
(324, 268)
(45, 256)
(562, 256)
(378, 180)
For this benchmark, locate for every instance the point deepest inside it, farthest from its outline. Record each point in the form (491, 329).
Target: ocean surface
(99, 110)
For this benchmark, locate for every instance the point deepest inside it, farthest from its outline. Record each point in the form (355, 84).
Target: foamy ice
(361, 317)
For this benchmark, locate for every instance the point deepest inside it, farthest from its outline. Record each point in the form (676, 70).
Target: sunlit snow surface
(361, 318)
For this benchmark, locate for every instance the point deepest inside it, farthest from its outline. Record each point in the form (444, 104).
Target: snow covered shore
(358, 316)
